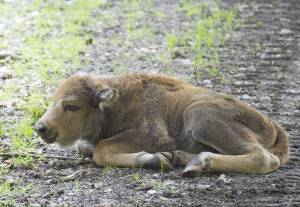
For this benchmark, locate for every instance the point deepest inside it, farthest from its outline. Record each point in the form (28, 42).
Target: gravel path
(261, 65)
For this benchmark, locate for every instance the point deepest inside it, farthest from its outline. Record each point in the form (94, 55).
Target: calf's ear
(105, 97)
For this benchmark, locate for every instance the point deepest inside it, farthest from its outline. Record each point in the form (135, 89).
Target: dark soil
(261, 63)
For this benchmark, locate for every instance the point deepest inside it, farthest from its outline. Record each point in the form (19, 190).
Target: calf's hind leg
(257, 161)
(238, 146)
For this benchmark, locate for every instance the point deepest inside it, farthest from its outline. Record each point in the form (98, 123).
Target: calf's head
(77, 110)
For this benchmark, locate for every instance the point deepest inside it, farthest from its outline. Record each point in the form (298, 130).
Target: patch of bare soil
(262, 66)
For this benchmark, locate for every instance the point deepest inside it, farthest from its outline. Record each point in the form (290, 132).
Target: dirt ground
(261, 62)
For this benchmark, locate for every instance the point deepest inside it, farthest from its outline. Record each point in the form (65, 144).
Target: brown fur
(147, 120)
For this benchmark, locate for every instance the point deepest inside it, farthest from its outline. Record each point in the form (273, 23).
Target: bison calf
(152, 121)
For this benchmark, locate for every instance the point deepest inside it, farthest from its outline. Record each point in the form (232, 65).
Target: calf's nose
(41, 128)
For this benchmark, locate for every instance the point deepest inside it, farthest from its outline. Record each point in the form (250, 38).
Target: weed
(21, 137)
(77, 185)
(162, 167)
(4, 171)
(171, 40)
(8, 191)
(107, 169)
(190, 8)
(224, 80)
(208, 37)
(156, 184)
(24, 161)
(213, 72)
(137, 177)
(159, 14)
(4, 8)
(5, 188)
(9, 91)
(202, 41)
(35, 105)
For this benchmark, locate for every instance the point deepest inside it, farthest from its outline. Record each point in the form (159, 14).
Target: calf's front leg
(130, 149)
(85, 148)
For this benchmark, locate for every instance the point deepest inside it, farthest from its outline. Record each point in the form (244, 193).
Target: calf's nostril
(41, 128)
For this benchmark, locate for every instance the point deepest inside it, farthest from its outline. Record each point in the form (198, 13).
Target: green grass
(21, 135)
(9, 91)
(48, 53)
(53, 48)
(5, 188)
(136, 177)
(207, 39)
(152, 183)
(10, 190)
(172, 40)
(24, 161)
(4, 8)
(157, 184)
(77, 185)
(204, 39)
(108, 169)
(35, 104)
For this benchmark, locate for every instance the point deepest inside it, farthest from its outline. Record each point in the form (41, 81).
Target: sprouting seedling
(163, 167)
(171, 40)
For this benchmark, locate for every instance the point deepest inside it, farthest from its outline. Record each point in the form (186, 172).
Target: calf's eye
(71, 108)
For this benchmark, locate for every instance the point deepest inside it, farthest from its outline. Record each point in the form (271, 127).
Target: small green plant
(24, 161)
(171, 40)
(162, 167)
(10, 190)
(208, 37)
(5, 188)
(21, 138)
(190, 8)
(35, 105)
(201, 42)
(213, 72)
(157, 184)
(77, 185)
(159, 14)
(107, 169)
(4, 171)
(137, 177)
(9, 91)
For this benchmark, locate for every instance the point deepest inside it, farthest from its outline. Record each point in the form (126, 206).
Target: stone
(200, 186)
(285, 31)
(7, 54)
(5, 73)
(108, 190)
(151, 192)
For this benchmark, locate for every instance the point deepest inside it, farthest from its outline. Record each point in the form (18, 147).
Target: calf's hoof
(198, 165)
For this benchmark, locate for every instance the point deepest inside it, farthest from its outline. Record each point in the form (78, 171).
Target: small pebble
(108, 190)
(151, 192)
(285, 31)
(169, 182)
(200, 186)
